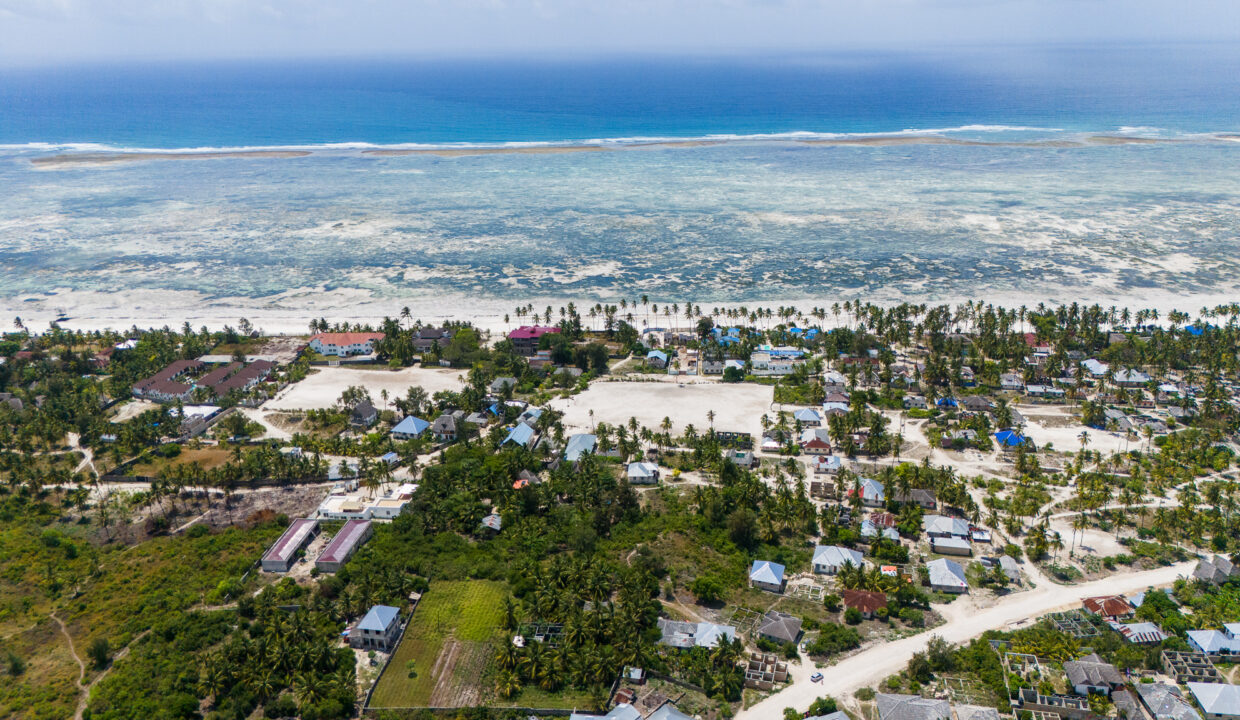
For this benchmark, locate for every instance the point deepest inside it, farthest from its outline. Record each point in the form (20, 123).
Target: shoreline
(290, 313)
(105, 157)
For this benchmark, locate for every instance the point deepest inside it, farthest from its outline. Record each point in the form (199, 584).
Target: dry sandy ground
(1090, 541)
(965, 620)
(738, 407)
(132, 409)
(323, 388)
(1043, 427)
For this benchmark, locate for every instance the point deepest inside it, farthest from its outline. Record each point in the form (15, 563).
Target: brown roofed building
(1111, 607)
(867, 601)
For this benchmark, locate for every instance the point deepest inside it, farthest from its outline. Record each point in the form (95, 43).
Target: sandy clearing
(323, 388)
(131, 410)
(869, 667)
(1089, 541)
(737, 407)
(1069, 438)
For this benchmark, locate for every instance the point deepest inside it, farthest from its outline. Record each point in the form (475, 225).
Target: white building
(344, 344)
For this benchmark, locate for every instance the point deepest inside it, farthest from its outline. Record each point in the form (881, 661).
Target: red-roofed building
(1110, 607)
(345, 344)
(525, 338)
(867, 601)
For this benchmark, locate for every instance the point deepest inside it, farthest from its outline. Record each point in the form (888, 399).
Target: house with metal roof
(579, 445)
(656, 359)
(872, 492)
(871, 530)
(283, 552)
(1110, 607)
(867, 602)
(1095, 367)
(1218, 700)
(947, 576)
(808, 417)
(622, 711)
(643, 473)
(668, 711)
(1164, 702)
(950, 546)
(977, 712)
(767, 575)
(1140, 633)
(941, 526)
(521, 435)
(409, 428)
(346, 542)
(690, 634)
(1216, 643)
(830, 559)
(911, 707)
(378, 630)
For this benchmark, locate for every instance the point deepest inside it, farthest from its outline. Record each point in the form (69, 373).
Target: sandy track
(871, 666)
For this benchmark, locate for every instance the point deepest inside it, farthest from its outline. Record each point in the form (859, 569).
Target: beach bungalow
(829, 559)
(915, 402)
(363, 414)
(409, 428)
(643, 473)
(500, 384)
(446, 427)
(947, 576)
(767, 575)
(656, 359)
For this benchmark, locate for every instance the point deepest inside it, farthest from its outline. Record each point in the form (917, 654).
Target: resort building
(345, 344)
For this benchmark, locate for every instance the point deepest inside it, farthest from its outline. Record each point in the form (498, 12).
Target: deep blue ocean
(1172, 88)
(1022, 175)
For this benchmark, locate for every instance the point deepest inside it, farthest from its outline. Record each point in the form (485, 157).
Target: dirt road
(964, 623)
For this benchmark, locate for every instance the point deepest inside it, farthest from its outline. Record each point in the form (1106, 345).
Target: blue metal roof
(380, 618)
(522, 434)
(1010, 438)
(577, 445)
(411, 426)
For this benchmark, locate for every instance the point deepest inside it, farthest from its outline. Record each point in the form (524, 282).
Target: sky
(51, 32)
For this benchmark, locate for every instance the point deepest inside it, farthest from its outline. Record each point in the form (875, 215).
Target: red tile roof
(866, 601)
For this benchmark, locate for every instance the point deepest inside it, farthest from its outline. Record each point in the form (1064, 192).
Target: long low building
(283, 553)
(341, 548)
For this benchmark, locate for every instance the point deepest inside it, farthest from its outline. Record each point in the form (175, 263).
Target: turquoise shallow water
(1040, 209)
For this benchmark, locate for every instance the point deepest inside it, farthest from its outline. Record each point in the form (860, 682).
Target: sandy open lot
(1044, 425)
(738, 407)
(321, 389)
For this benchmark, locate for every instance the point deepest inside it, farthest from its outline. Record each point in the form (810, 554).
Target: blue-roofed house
(578, 445)
(1010, 439)
(808, 417)
(656, 359)
(946, 402)
(378, 630)
(409, 428)
(767, 575)
(521, 435)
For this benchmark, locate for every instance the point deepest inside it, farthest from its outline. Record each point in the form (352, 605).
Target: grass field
(208, 457)
(450, 639)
